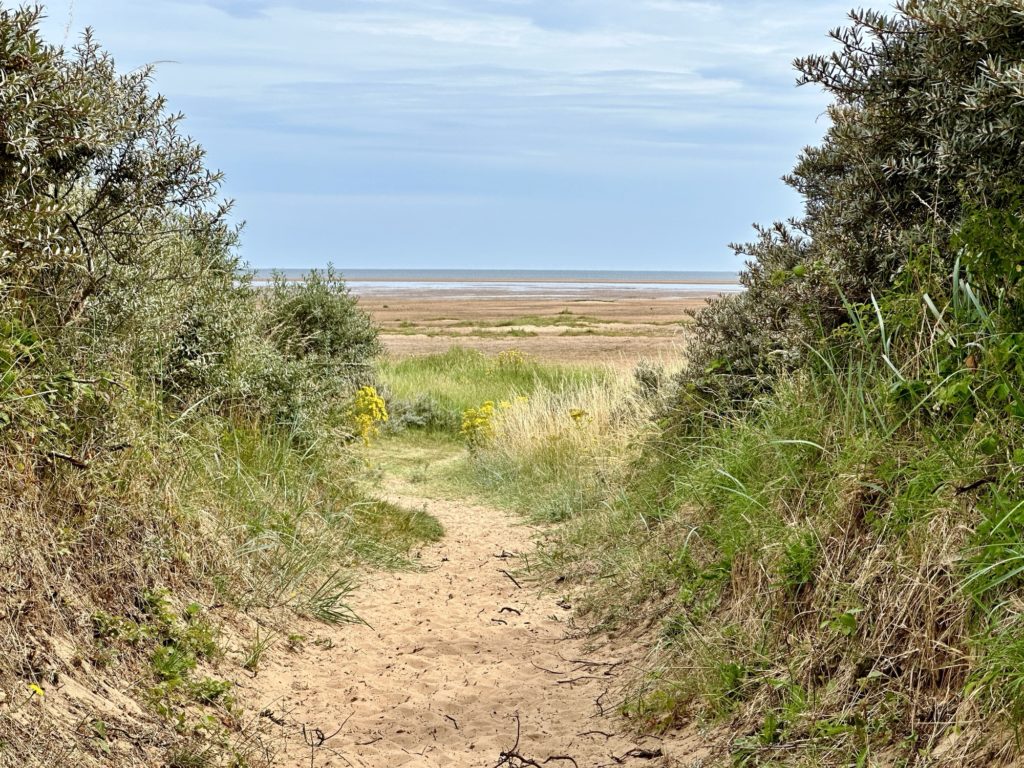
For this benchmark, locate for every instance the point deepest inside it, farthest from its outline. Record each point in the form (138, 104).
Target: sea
(528, 282)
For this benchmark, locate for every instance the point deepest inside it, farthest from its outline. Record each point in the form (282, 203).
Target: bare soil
(459, 666)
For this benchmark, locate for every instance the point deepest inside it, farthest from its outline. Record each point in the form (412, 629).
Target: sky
(562, 134)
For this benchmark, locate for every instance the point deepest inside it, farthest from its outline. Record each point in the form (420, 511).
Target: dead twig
(591, 662)
(960, 491)
(513, 759)
(77, 463)
(566, 758)
(572, 680)
(508, 755)
(316, 738)
(269, 714)
(511, 578)
(639, 753)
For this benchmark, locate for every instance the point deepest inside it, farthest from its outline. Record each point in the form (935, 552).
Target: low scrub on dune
(818, 574)
(171, 438)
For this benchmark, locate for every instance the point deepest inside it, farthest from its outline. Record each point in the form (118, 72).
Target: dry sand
(456, 654)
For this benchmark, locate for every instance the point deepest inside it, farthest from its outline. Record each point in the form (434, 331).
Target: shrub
(311, 346)
(132, 343)
(926, 122)
(318, 319)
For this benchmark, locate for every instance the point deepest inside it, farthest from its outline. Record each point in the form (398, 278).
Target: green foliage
(312, 350)
(119, 277)
(293, 517)
(260, 644)
(134, 350)
(317, 318)
(432, 392)
(854, 418)
(866, 509)
(926, 124)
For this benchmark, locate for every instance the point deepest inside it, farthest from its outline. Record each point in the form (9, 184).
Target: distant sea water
(525, 281)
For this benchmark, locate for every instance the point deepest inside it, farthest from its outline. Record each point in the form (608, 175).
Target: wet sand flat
(590, 323)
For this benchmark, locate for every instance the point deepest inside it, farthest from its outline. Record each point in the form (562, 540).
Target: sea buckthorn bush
(877, 188)
(135, 352)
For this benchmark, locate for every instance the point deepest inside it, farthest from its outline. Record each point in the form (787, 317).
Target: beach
(557, 321)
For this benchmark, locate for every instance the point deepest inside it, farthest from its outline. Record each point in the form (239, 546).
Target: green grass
(563, 318)
(295, 515)
(540, 461)
(559, 453)
(821, 567)
(429, 460)
(740, 543)
(447, 384)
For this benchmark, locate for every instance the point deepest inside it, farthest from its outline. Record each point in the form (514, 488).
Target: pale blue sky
(601, 134)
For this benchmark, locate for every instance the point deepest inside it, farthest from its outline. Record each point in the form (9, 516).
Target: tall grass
(294, 515)
(558, 452)
(433, 391)
(833, 570)
(558, 437)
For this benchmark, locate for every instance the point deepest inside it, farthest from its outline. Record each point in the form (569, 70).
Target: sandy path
(455, 651)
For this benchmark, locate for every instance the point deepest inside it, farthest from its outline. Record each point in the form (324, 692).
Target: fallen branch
(509, 755)
(316, 738)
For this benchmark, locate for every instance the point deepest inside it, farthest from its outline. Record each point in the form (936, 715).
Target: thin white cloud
(468, 102)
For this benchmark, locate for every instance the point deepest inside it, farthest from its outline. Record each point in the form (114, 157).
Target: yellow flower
(36, 690)
(511, 358)
(368, 411)
(477, 427)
